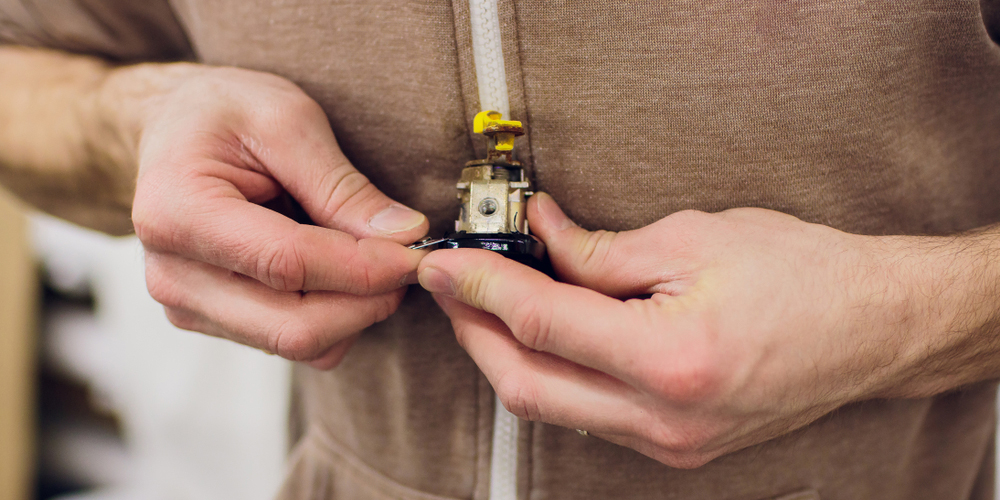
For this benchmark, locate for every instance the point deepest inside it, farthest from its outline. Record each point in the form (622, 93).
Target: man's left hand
(702, 334)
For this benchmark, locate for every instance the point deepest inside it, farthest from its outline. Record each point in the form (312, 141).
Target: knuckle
(475, 286)
(531, 324)
(298, 106)
(296, 340)
(282, 267)
(386, 305)
(346, 187)
(287, 109)
(361, 281)
(163, 220)
(287, 105)
(180, 318)
(687, 378)
(683, 460)
(141, 221)
(332, 357)
(681, 230)
(689, 216)
(595, 249)
(684, 446)
(147, 221)
(689, 382)
(162, 287)
(518, 395)
(693, 461)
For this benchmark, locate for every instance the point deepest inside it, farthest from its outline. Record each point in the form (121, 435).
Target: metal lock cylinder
(494, 193)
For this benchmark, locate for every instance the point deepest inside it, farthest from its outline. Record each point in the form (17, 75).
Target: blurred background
(101, 398)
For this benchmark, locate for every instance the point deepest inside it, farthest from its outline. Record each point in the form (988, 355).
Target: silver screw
(488, 207)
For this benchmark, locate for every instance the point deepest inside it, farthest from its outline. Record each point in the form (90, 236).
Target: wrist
(122, 107)
(68, 132)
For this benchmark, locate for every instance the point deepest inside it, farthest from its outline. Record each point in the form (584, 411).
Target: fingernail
(395, 219)
(409, 279)
(435, 281)
(551, 212)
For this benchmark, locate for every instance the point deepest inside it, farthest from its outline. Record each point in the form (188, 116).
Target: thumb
(612, 263)
(334, 193)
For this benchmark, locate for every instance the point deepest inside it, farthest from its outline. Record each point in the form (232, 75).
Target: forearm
(69, 130)
(946, 296)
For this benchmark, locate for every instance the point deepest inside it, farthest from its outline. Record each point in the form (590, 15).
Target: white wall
(204, 418)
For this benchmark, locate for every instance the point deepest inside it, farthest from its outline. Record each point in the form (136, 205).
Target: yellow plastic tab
(484, 119)
(505, 142)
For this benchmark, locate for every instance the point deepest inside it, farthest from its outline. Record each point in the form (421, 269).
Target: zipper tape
(503, 460)
(487, 54)
(491, 78)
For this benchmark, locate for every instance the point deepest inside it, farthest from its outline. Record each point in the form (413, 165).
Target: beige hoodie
(871, 116)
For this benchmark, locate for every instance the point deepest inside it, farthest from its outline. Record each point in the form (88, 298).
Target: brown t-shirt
(874, 117)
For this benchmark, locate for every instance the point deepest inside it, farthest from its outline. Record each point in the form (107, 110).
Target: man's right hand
(214, 144)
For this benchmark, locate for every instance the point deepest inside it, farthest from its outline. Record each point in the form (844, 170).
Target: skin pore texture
(748, 324)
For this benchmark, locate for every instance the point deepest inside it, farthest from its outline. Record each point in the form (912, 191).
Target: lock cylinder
(494, 195)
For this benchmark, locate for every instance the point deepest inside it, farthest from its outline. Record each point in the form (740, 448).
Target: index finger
(572, 322)
(214, 223)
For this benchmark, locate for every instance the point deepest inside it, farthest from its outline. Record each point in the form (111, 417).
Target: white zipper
(487, 53)
(491, 78)
(503, 460)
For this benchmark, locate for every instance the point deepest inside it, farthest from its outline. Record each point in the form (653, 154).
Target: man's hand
(213, 147)
(738, 326)
(217, 143)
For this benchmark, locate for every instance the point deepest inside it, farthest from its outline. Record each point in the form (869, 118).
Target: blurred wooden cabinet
(17, 332)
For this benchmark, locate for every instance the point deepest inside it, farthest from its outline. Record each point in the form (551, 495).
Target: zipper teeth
(503, 462)
(491, 78)
(487, 52)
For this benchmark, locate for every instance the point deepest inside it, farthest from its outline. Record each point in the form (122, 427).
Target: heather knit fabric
(874, 117)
